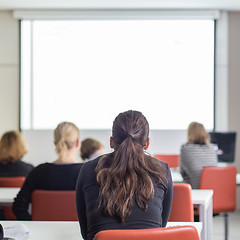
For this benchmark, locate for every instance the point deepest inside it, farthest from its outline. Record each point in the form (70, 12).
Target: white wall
(9, 68)
(41, 147)
(234, 83)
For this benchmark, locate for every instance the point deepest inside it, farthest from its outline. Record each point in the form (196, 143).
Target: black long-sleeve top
(17, 169)
(92, 221)
(47, 176)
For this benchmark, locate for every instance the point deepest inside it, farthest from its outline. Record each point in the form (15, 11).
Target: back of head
(130, 126)
(65, 136)
(12, 147)
(89, 147)
(197, 134)
(127, 175)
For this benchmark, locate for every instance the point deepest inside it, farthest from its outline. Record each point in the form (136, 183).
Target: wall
(9, 68)
(40, 143)
(234, 83)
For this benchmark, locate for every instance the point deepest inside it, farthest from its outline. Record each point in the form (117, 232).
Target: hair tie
(129, 136)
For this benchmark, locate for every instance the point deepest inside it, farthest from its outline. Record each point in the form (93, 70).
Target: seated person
(59, 175)
(90, 149)
(126, 189)
(196, 154)
(12, 150)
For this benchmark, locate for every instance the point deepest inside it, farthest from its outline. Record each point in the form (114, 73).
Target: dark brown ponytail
(129, 174)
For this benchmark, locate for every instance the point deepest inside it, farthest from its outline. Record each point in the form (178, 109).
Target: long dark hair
(129, 174)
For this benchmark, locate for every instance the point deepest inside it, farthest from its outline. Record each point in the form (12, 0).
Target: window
(88, 71)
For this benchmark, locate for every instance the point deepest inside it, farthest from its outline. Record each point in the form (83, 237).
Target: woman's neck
(66, 158)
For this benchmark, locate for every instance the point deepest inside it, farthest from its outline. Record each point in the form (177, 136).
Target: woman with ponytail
(60, 175)
(126, 189)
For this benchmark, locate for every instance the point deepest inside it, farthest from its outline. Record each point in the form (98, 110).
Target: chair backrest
(222, 180)
(171, 159)
(54, 205)
(11, 181)
(171, 233)
(182, 205)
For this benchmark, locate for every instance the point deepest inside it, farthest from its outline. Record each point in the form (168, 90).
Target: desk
(177, 177)
(203, 199)
(238, 179)
(67, 230)
(7, 195)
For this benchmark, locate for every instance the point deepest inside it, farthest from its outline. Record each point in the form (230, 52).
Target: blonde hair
(12, 147)
(88, 147)
(197, 134)
(65, 136)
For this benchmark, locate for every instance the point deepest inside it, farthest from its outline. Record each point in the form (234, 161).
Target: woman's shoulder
(92, 164)
(193, 146)
(158, 162)
(24, 164)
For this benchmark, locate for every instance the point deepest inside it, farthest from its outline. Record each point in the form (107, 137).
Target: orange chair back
(54, 206)
(182, 205)
(11, 181)
(173, 233)
(171, 159)
(223, 182)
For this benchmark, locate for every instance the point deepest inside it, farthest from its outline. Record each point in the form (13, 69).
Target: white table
(238, 179)
(177, 177)
(7, 195)
(67, 230)
(203, 199)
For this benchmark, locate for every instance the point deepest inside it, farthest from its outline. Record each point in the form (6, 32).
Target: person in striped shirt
(197, 153)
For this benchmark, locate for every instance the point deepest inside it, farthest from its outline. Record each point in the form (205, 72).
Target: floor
(234, 227)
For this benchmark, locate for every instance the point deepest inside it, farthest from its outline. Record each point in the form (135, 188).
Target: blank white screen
(88, 71)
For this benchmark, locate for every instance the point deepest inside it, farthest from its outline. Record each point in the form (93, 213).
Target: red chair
(54, 205)
(10, 182)
(222, 180)
(182, 205)
(171, 233)
(171, 159)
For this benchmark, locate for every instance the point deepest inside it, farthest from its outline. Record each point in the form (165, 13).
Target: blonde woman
(196, 154)
(12, 149)
(59, 175)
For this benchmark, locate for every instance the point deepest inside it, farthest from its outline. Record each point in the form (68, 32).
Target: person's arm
(21, 202)
(167, 202)
(184, 165)
(80, 202)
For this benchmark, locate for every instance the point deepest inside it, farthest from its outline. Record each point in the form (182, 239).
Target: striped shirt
(193, 158)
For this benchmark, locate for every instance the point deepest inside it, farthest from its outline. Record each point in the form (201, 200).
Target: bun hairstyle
(65, 136)
(197, 134)
(128, 175)
(12, 147)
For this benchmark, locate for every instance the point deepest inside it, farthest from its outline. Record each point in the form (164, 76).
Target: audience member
(90, 149)
(196, 154)
(12, 150)
(126, 189)
(59, 175)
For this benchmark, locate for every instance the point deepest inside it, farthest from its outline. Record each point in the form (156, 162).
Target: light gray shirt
(193, 158)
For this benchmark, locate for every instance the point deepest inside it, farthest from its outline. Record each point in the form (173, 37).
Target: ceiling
(231, 5)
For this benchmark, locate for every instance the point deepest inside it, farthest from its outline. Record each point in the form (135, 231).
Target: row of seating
(48, 205)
